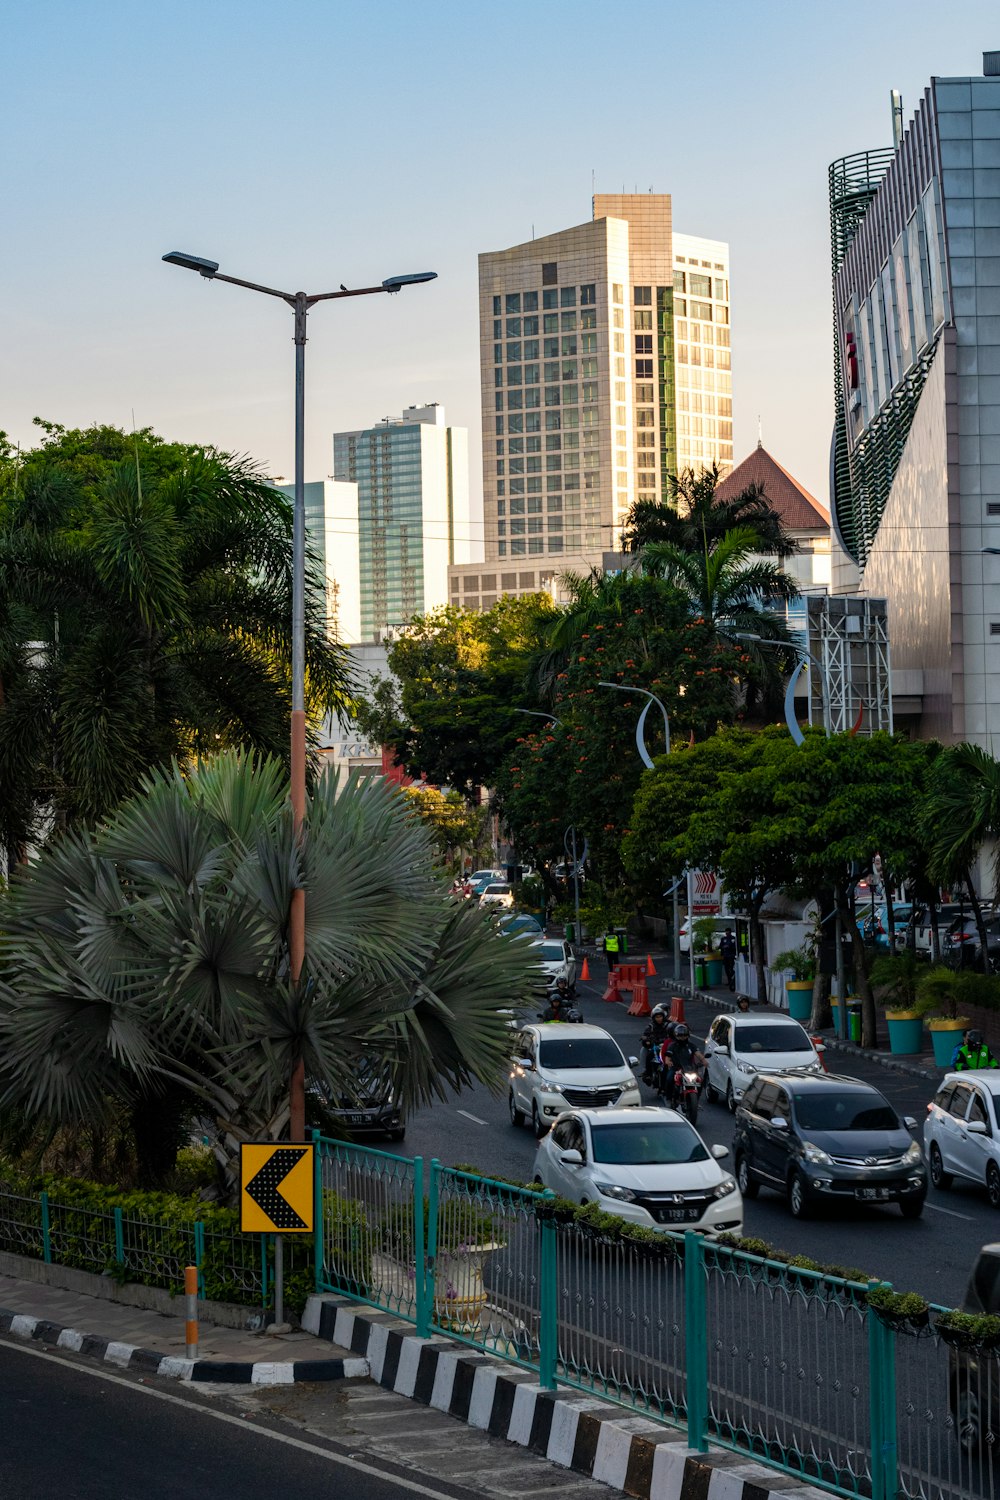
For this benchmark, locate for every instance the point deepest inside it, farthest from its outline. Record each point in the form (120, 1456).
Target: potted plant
(969, 1330)
(464, 1240)
(800, 964)
(906, 1312)
(897, 976)
(937, 1000)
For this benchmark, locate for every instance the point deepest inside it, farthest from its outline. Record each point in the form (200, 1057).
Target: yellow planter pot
(946, 1033)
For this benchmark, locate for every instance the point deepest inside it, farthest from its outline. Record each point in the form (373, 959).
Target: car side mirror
(633, 1062)
(525, 1064)
(909, 1122)
(976, 1127)
(722, 1049)
(571, 1159)
(779, 1122)
(720, 1152)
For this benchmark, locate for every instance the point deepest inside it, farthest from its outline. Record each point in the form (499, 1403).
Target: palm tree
(145, 616)
(699, 516)
(148, 961)
(961, 814)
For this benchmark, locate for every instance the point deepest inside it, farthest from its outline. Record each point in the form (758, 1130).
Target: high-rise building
(915, 461)
(412, 478)
(605, 361)
(332, 537)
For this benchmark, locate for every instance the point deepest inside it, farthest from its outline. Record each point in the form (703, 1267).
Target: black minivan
(825, 1140)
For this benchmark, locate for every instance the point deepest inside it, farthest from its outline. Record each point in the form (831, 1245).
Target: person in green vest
(611, 949)
(974, 1053)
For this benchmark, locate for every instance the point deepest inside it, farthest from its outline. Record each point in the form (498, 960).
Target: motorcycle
(686, 1092)
(570, 1014)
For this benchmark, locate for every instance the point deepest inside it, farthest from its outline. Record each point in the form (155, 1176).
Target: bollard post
(548, 1301)
(46, 1230)
(191, 1309)
(696, 1341)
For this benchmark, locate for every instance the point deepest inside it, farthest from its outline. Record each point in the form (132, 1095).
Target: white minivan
(739, 1047)
(556, 1066)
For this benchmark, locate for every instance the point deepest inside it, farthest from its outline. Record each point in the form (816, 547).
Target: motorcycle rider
(560, 1006)
(678, 1055)
(656, 1033)
(973, 1053)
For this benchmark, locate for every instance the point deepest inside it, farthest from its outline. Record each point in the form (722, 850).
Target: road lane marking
(950, 1212)
(474, 1118)
(245, 1425)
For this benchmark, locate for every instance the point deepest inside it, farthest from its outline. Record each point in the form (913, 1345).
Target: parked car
(974, 1381)
(826, 1140)
(557, 960)
(722, 924)
(367, 1107)
(499, 894)
(648, 1165)
(520, 924)
(480, 879)
(963, 946)
(962, 1134)
(738, 1047)
(557, 1066)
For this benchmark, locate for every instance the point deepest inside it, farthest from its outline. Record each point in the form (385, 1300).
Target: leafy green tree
(697, 516)
(147, 962)
(449, 709)
(145, 616)
(452, 822)
(961, 815)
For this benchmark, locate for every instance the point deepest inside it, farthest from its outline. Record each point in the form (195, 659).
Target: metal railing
(777, 1362)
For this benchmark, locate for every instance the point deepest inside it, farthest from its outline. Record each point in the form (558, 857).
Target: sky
(310, 143)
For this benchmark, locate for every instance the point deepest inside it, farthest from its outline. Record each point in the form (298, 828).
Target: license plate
(357, 1119)
(681, 1215)
(879, 1194)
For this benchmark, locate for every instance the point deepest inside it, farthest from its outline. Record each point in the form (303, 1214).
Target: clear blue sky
(308, 143)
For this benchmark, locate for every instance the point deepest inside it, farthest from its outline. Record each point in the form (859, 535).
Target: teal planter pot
(906, 1034)
(945, 1041)
(714, 971)
(799, 993)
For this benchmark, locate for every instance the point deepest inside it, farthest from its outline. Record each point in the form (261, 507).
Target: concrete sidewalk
(154, 1342)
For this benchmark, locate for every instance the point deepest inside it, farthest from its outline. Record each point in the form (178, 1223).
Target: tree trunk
(889, 922)
(159, 1129)
(977, 912)
(822, 1015)
(757, 944)
(863, 989)
(935, 916)
(297, 1102)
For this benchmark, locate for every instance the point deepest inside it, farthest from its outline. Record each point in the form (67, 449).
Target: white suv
(739, 1047)
(962, 1134)
(558, 960)
(499, 895)
(557, 1067)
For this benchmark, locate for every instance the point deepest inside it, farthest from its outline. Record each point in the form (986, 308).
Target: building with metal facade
(915, 458)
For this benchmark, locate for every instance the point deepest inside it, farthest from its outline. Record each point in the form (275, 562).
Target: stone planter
(459, 1293)
(906, 1032)
(946, 1034)
(799, 993)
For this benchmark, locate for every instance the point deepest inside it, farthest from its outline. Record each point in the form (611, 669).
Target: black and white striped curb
(578, 1432)
(172, 1367)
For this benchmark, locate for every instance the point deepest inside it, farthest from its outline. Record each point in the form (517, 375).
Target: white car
(738, 1047)
(499, 895)
(962, 1134)
(556, 1066)
(722, 924)
(647, 1164)
(557, 959)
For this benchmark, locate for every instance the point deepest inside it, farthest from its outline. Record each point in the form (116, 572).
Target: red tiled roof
(796, 507)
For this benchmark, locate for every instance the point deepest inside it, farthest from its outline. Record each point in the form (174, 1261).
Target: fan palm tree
(961, 815)
(698, 515)
(727, 583)
(144, 617)
(149, 959)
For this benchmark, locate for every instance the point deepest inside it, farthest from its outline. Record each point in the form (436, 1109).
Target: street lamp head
(746, 635)
(393, 283)
(192, 263)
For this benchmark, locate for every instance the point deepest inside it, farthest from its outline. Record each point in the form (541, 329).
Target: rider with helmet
(973, 1053)
(656, 1033)
(677, 1054)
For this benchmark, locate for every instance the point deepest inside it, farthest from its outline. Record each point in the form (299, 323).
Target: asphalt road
(84, 1434)
(931, 1255)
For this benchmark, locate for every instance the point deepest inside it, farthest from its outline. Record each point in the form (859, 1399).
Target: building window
(513, 302)
(567, 321)
(568, 365)
(554, 502)
(534, 465)
(643, 393)
(642, 296)
(500, 448)
(588, 343)
(498, 424)
(569, 345)
(699, 286)
(501, 528)
(533, 444)
(701, 310)
(517, 528)
(496, 306)
(501, 507)
(550, 298)
(529, 303)
(643, 319)
(570, 395)
(533, 419)
(513, 350)
(531, 345)
(588, 319)
(550, 323)
(553, 482)
(552, 369)
(535, 524)
(617, 292)
(567, 296)
(552, 395)
(529, 326)
(498, 354)
(588, 295)
(644, 343)
(644, 369)
(550, 272)
(513, 374)
(517, 548)
(498, 401)
(515, 423)
(501, 549)
(500, 486)
(532, 396)
(500, 466)
(515, 400)
(531, 374)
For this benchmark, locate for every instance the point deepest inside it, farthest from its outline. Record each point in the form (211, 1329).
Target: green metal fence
(777, 1362)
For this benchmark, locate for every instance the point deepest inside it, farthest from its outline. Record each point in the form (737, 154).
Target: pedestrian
(974, 1053)
(727, 951)
(611, 950)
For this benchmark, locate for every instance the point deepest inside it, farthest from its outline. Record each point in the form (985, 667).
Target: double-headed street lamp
(300, 303)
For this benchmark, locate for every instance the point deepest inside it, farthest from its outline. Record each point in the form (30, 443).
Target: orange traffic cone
(650, 966)
(585, 971)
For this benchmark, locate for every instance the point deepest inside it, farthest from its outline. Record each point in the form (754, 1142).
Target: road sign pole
(279, 1279)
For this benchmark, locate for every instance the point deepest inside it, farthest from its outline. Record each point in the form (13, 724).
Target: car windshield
(552, 953)
(647, 1145)
(497, 890)
(816, 1109)
(762, 1037)
(580, 1052)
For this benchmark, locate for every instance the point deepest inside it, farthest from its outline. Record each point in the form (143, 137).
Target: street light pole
(301, 304)
(804, 656)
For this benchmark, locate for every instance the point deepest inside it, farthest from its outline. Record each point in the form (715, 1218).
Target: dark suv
(827, 1140)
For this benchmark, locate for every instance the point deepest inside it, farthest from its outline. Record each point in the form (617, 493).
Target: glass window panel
(500, 465)
(534, 465)
(570, 395)
(531, 374)
(568, 368)
(517, 548)
(567, 296)
(501, 528)
(551, 348)
(498, 401)
(680, 306)
(552, 371)
(644, 343)
(571, 418)
(569, 344)
(702, 310)
(498, 424)
(533, 445)
(517, 507)
(550, 272)
(699, 286)
(571, 440)
(644, 369)
(567, 321)
(496, 306)
(533, 419)
(588, 343)
(588, 294)
(516, 465)
(513, 374)
(553, 421)
(515, 400)
(643, 319)
(515, 423)
(517, 528)
(588, 367)
(513, 302)
(532, 396)
(550, 323)
(513, 350)
(516, 445)
(550, 297)
(531, 348)
(529, 302)
(617, 292)
(588, 319)
(553, 482)
(552, 395)
(642, 296)
(500, 448)
(553, 461)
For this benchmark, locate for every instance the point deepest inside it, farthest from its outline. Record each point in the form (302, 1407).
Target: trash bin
(853, 1022)
(570, 931)
(622, 937)
(699, 976)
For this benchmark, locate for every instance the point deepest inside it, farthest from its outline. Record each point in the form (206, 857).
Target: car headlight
(816, 1156)
(913, 1154)
(546, 1083)
(615, 1190)
(725, 1187)
(745, 1067)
